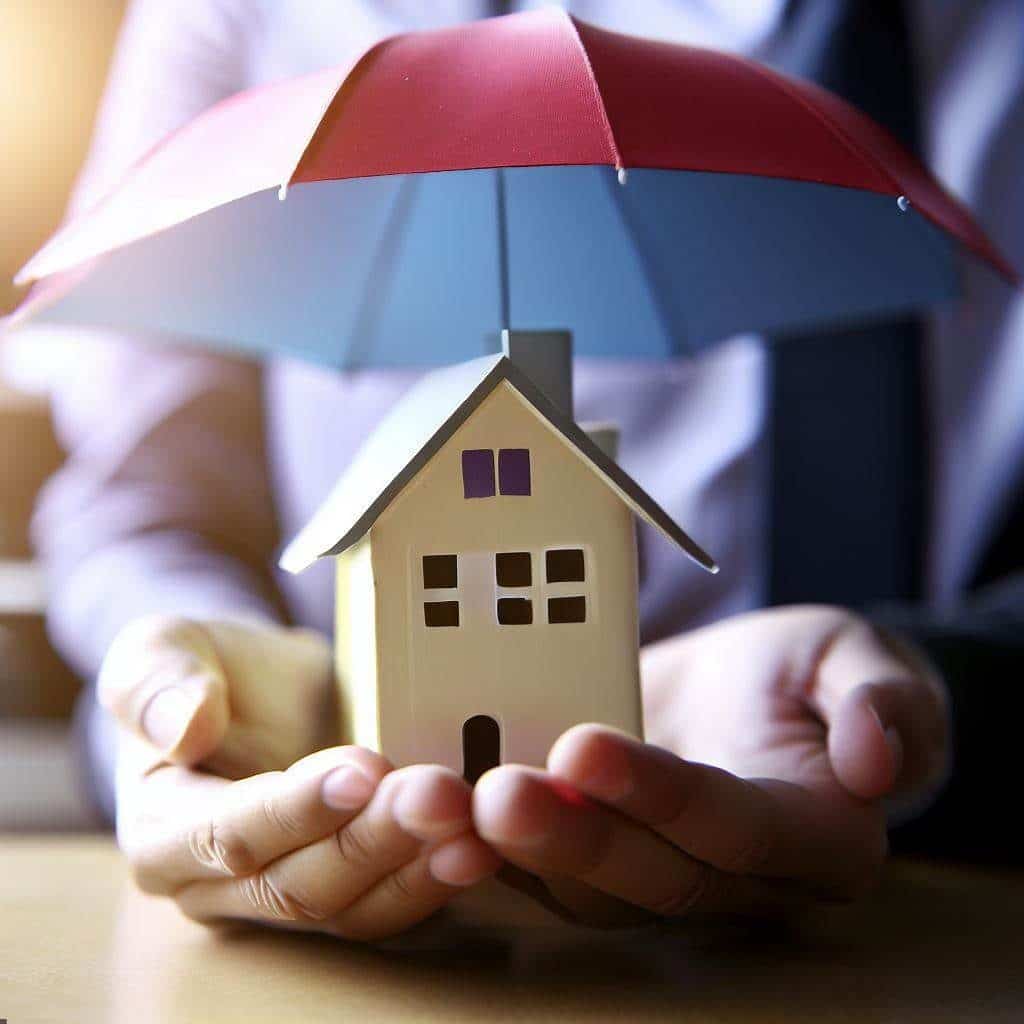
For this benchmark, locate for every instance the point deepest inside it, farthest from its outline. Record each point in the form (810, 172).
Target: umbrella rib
(615, 193)
(596, 89)
(380, 279)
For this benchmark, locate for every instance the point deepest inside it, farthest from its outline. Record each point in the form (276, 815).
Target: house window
(567, 609)
(478, 473)
(441, 613)
(440, 571)
(478, 479)
(515, 611)
(513, 570)
(514, 471)
(564, 565)
(565, 574)
(440, 590)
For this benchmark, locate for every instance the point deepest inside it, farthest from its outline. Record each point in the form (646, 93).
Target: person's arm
(163, 503)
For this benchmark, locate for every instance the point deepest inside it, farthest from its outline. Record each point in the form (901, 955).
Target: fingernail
(346, 788)
(167, 715)
(429, 806)
(610, 778)
(462, 862)
(514, 811)
(895, 745)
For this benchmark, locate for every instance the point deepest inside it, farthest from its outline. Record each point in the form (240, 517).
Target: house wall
(535, 680)
(355, 647)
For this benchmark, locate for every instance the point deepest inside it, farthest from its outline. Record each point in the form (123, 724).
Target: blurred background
(53, 61)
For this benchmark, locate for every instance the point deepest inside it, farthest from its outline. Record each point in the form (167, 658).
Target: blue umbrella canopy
(426, 269)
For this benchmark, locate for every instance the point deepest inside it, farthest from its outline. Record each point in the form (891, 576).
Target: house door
(481, 746)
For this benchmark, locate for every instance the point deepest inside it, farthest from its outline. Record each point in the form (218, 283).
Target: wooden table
(78, 943)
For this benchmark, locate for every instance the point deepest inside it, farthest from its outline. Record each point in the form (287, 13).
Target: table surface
(78, 942)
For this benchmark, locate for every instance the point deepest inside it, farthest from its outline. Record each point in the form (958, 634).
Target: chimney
(546, 358)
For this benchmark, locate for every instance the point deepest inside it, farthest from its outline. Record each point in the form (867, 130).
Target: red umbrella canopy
(531, 89)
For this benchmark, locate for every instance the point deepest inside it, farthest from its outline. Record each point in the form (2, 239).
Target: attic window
(514, 470)
(478, 473)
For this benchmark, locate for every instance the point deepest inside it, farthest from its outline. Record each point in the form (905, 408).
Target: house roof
(415, 430)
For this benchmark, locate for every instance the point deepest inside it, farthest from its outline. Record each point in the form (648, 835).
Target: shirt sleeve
(164, 502)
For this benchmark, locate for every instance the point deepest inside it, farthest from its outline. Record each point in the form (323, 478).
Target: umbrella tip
(903, 203)
(282, 192)
(622, 175)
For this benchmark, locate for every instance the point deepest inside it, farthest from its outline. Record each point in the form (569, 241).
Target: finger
(549, 828)
(886, 712)
(309, 886)
(761, 828)
(248, 824)
(161, 680)
(417, 890)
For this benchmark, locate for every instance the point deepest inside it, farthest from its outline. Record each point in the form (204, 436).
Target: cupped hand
(775, 740)
(223, 806)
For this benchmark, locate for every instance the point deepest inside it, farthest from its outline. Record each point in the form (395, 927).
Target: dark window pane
(564, 565)
(513, 569)
(514, 470)
(441, 613)
(478, 473)
(481, 747)
(515, 611)
(567, 609)
(440, 571)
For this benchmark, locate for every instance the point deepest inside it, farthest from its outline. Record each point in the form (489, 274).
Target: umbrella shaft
(502, 225)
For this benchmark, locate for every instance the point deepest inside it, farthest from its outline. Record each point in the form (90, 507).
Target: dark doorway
(481, 746)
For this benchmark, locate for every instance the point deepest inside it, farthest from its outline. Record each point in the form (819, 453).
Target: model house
(487, 575)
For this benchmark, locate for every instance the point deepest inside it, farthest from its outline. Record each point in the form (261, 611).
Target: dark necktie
(846, 421)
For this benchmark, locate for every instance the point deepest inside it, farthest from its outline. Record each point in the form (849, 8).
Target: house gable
(417, 429)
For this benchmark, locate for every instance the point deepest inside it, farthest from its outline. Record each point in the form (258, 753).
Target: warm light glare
(53, 57)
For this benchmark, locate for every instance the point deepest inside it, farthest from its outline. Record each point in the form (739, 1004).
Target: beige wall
(53, 60)
(536, 680)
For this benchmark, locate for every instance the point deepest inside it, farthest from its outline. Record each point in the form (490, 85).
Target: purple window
(514, 470)
(478, 473)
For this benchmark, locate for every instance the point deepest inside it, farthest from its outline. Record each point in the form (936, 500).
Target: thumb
(162, 681)
(885, 711)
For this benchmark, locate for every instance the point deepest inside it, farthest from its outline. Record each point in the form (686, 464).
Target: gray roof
(414, 431)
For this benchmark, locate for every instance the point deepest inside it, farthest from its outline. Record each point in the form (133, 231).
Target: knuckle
(149, 878)
(687, 894)
(270, 899)
(401, 886)
(281, 818)
(354, 847)
(147, 648)
(220, 850)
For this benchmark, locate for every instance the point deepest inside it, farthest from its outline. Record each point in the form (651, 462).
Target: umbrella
(529, 171)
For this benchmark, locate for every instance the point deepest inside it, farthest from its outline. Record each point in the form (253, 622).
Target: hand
(773, 737)
(332, 841)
